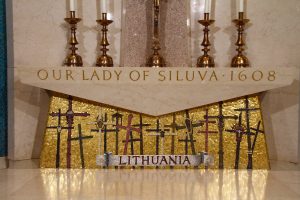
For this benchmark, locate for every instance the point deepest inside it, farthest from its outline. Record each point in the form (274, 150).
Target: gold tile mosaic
(91, 146)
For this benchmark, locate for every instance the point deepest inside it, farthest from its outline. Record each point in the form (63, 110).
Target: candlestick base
(156, 61)
(73, 60)
(205, 61)
(240, 61)
(105, 61)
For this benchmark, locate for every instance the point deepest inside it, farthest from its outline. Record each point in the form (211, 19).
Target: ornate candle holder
(206, 60)
(156, 60)
(73, 59)
(104, 60)
(240, 60)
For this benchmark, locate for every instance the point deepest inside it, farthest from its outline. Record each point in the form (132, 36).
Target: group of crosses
(160, 132)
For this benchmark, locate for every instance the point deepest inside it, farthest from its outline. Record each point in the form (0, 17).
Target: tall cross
(141, 125)
(221, 119)
(162, 134)
(174, 126)
(80, 138)
(248, 110)
(70, 114)
(157, 130)
(189, 126)
(239, 130)
(257, 131)
(118, 119)
(59, 129)
(186, 141)
(101, 127)
(206, 122)
(129, 128)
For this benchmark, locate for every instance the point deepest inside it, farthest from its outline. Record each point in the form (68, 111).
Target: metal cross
(70, 114)
(59, 129)
(174, 128)
(157, 130)
(80, 138)
(118, 119)
(186, 141)
(162, 134)
(239, 130)
(141, 125)
(248, 110)
(257, 131)
(129, 128)
(101, 124)
(206, 122)
(189, 126)
(221, 119)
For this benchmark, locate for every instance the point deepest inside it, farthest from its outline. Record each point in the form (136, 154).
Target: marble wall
(39, 38)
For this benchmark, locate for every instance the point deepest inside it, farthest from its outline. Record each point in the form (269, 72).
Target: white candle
(207, 6)
(103, 6)
(72, 5)
(240, 5)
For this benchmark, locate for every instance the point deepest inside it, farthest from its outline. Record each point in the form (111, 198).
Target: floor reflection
(155, 184)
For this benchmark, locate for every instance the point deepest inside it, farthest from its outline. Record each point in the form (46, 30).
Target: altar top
(157, 91)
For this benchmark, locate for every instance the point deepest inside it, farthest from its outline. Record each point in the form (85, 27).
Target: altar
(177, 108)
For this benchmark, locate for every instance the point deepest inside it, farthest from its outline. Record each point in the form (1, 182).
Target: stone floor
(282, 182)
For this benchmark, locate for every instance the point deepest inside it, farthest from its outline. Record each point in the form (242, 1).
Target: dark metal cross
(256, 132)
(59, 129)
(161, 133)
(221, 119)
(70, 114)
(157, 130)
(80, 138)
(239, 130)
(186, 141)
(129, 128)
(141, 125)
(206, 122)
(248, 110)
(118, 119)
(189, 126)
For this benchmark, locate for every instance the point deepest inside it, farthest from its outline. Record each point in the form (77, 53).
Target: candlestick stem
(73, 59)
(104, 60)
(156, 60)
(206, 61)
(240, 60)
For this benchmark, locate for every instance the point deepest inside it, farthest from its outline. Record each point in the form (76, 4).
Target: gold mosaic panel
(91, 147)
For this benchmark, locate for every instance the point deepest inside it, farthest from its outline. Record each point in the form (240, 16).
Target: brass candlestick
(156, 60)
(240, 60)
(104, 60)
(206, 60)
(73, 59)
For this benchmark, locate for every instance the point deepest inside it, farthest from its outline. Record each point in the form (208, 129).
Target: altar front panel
(52, 33)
